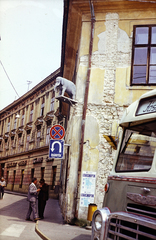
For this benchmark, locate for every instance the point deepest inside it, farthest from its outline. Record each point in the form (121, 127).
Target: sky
(30, 45)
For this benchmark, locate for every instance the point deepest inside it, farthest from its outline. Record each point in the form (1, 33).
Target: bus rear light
(106, 187)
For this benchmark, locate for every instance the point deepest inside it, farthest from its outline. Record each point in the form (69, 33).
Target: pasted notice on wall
(87, 188)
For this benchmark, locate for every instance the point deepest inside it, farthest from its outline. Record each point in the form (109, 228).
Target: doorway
(22, 176)
(14, 175)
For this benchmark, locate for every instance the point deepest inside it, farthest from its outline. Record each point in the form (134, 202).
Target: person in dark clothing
(42, 197)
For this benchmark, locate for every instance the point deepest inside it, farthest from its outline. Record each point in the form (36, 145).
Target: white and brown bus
(129, 208)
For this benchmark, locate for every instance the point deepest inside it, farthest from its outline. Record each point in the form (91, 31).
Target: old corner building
(110, 54)
(24, 138)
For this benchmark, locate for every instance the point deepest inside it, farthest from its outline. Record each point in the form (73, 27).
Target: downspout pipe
(85, 99)
(87, 85)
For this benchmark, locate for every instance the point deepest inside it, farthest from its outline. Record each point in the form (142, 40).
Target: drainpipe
(85, 99)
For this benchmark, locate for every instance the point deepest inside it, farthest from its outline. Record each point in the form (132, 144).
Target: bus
(129, 207)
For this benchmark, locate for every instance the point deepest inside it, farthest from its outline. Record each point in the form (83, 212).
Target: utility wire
(9, 79)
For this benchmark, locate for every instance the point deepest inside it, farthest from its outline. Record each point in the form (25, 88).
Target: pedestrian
(2, 185)
(42, 197)
(32, 198)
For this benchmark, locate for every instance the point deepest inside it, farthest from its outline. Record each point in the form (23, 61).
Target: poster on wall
(87, 188)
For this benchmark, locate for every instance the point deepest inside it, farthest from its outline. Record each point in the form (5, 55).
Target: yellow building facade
(110, 50)
(24, 138)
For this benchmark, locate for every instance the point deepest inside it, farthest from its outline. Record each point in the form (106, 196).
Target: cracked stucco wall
(109, 94)
(103, 114)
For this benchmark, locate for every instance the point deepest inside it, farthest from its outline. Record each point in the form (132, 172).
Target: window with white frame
(6, 144)
(38, 136)
(49, 122)
(48, 135)
(144, 55)
(15, 123)
(12, 144)
(31, 113)
(23, 115)
(19, 141)
(28, 139)
(42, 107)
(8, 126)
(52, 101)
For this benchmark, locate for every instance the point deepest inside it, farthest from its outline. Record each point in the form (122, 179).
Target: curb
(88, 227)
(40, 233)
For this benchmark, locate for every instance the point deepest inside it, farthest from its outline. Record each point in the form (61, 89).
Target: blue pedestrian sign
(56, 148)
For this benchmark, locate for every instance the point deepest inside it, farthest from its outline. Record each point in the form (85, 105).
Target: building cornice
(30, 93)
(83, 6)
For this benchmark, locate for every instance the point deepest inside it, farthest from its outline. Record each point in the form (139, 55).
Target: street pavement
(13, 209)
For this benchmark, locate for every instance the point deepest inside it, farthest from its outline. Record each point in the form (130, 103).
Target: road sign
(56, 148)
(57, 132)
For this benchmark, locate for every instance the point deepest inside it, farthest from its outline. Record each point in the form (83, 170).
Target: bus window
(137, 150)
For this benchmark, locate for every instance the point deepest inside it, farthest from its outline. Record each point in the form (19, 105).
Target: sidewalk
(52, 226)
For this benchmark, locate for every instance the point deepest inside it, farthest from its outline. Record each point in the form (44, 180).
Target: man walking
(32, 198)
(42, 198)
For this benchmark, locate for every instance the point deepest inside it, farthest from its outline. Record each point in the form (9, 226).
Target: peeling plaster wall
(102, 111)
(113, 46)
(109, 94)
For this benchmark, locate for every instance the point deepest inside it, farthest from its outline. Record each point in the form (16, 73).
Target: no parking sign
(56, 147)
(57, 132)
